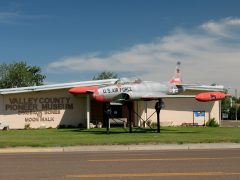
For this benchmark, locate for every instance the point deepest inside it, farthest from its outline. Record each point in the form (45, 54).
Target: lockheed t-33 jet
(132, 89)
(126, 90)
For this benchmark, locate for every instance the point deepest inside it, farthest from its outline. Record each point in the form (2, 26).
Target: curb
(142, 147)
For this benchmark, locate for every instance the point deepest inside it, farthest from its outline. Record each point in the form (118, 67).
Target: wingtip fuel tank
(211, 96)
(83, 89)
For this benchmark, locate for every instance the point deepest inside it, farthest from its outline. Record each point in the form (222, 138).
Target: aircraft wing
(168, 96)
(201, 93)
(193, 87)
(209, 95)
(58, 86)
(123, 97)
(186, 91)
(163, 96)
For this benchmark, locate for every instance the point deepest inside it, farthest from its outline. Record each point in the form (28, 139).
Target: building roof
(56, 86)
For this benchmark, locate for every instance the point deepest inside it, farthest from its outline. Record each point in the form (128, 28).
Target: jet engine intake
(173, 90)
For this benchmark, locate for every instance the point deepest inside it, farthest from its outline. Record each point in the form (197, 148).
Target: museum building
(52, 106)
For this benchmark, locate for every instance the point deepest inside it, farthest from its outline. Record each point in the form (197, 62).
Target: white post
(220, 113)
(88, 111)
(145, 112)
(236, 103)
(137, 110)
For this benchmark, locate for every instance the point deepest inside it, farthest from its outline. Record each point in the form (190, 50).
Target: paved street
(173, 164)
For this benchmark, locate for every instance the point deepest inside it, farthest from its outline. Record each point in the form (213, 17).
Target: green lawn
(72, 137)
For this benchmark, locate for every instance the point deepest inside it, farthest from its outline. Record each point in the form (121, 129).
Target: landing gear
(107, 113)
(159, 105)
(130, 107)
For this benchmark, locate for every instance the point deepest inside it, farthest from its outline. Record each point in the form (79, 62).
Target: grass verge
(74, 137)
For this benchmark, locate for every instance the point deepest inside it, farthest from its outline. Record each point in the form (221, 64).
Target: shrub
(212, 123)
(61, 126)
(27, 126)
(149, 122)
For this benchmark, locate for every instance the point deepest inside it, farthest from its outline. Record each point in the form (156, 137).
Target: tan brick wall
(179, 110)
(46, 108)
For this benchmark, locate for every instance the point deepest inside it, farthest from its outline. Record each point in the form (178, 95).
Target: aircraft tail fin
(177, 79)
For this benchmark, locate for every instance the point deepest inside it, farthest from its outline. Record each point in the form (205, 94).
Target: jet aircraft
(132, 89)
(126, 90)
(129, 89)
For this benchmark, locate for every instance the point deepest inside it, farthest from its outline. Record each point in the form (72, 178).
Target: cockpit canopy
(133, 80)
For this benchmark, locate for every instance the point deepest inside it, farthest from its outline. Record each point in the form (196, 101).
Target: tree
(105, 75)
(19, 74)
(232, 113)
(226, 104)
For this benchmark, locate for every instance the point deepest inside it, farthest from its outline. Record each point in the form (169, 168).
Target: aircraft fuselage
(136, 91)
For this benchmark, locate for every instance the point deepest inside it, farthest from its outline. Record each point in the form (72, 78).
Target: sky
(73, 40)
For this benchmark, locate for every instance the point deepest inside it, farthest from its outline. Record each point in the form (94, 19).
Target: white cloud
(18, 18)
(209, 53)
(225, 27)
(8, 17)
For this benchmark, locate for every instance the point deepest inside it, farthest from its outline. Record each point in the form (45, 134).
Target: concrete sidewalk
(153, 147)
